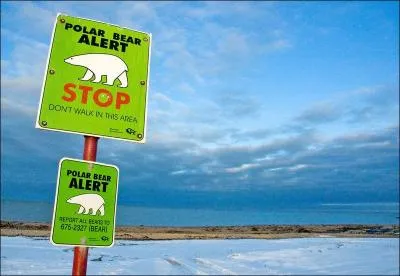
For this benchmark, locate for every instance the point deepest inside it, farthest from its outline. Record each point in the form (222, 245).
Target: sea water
(365, 213)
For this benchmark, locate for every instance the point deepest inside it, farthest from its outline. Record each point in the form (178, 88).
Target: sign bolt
(142, 82)
(145, 39)
(83, 240)
(62, 20)
(52, 71)
(44, 123)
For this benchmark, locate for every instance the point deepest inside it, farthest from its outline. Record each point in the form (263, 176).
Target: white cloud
(278, 44)
(26, 58)
(275, 169)
(17, 108)
(27, 39)
(179, 172)
(210, 10)
(36, 17)
(161, 98)
(186, 88)
(272, 156)
(165, 111)
(243, 167)
(136, 15)
(234, 43)
(22, 86)
(195, 128)
(321, 113)
(298, 167)
(373, 144)
(368, 90)
(266, 158)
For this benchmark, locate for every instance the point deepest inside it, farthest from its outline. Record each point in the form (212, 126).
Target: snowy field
(321, 256)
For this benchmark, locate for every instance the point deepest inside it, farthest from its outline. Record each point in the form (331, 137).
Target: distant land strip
(34, 229)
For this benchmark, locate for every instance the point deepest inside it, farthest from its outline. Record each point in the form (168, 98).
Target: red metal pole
(90, 148)
(81, 253)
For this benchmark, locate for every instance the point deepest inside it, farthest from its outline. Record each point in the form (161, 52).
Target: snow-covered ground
(349, 256)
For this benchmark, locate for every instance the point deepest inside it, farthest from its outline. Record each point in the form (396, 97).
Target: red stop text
(101, 97)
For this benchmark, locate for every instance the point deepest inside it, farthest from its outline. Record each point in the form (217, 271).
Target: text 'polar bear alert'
(99, 65)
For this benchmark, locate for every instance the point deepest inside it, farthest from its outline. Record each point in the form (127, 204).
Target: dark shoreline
(36, 229)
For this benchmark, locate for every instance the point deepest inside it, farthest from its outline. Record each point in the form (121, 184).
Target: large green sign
(85, 204)
(96, 80)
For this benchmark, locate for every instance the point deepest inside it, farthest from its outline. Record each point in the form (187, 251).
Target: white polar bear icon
(98, 65)
(87, 202)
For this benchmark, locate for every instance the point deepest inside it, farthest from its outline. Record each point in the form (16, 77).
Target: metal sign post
(95, 86)
(81, 253)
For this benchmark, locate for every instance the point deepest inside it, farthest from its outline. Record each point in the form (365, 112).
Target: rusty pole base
(80, 261)
(81, 253)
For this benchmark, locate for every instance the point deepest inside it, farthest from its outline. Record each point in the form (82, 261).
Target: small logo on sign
(130, 131)
(133, 132)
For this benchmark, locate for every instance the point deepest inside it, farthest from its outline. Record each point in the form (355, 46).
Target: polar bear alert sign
(85, 204)
(96, 80)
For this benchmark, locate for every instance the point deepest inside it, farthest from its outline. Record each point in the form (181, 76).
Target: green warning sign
(85, 204)
(96, 80)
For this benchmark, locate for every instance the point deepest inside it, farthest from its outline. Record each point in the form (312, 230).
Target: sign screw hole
(142, 82)
(62, 20)
(145, 39)
(52, 72)
(44, 123)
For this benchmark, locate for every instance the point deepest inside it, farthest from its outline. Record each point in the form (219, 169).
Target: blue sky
(251, 104)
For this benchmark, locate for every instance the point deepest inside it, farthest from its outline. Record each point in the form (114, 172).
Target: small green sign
(96, 80)
(85, 204)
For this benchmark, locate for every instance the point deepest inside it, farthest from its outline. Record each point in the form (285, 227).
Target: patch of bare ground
(32, 229)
